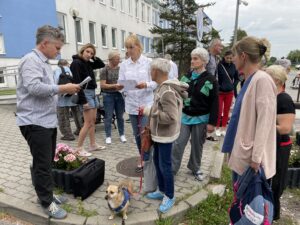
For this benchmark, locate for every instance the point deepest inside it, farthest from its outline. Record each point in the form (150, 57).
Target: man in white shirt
(173, 74)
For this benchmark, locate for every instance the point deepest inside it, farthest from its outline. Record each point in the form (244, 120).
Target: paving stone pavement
(15, 160)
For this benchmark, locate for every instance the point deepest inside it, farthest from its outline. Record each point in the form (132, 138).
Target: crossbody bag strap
(227, 73)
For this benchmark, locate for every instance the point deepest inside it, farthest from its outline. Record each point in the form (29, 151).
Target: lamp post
(74, 13)
(162, 40)
(238, 2)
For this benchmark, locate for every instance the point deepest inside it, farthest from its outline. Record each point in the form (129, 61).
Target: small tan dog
(118, 197)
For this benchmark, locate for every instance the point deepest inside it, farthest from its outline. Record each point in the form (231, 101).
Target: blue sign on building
(19, 21)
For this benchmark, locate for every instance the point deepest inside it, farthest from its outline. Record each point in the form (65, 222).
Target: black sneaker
(68, 138)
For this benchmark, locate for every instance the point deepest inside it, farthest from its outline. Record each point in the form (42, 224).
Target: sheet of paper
(128, 84)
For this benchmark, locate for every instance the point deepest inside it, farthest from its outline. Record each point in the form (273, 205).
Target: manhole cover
(127, 167)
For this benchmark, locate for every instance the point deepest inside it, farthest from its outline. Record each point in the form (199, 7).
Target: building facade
(104, 23)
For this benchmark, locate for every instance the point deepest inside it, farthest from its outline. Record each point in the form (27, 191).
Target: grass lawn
(212, 211)
(7, 92)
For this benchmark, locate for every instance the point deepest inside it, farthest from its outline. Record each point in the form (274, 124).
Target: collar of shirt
(41, 55)
(139, 61)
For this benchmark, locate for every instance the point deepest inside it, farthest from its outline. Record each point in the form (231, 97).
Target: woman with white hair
(284, 123)
(112, 99)
(164, 116)
(200, 112)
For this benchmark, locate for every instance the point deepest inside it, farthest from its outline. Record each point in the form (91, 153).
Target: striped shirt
(36, 92)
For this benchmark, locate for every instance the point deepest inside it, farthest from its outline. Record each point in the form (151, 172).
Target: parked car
(297, 67)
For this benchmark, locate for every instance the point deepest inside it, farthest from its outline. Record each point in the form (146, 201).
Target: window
(123, 33)
(61, 18)
(78, 28)
(114, 37)
(137, 8)
(147, 45)
(122, 5)
(148, 14)
(102, 1)
(113, 3)
(104, 35)
(151, 45)
(143, 12)
(2, 48)
(129, 7)
(2, 81)
(92, 33)
(153, 17)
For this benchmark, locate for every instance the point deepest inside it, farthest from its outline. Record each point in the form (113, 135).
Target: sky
(276, 20)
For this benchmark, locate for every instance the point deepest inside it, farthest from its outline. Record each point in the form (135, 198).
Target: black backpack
(64, 77)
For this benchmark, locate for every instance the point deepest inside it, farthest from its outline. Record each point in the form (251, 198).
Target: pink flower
(70, 158)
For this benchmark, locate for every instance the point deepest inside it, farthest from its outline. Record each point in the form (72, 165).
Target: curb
(32, 213)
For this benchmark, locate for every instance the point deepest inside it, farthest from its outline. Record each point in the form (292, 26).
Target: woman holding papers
(82, 66)
(137, 68)
(112, 99)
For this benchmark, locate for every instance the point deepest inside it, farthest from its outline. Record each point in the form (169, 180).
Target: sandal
(96, 147)
(83, 153)
(211, 138)
(139, 169)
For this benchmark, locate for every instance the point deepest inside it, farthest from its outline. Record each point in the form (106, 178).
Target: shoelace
(165, 199)
(53, 208)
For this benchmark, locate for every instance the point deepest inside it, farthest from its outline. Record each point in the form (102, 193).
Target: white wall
(93, 10)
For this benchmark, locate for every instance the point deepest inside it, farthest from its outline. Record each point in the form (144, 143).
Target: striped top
(36, 92)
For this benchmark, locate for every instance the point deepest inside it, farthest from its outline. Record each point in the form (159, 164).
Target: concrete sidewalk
(18, 196)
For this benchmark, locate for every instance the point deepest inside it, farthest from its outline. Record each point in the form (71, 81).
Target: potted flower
(66, 163)
(293, 173)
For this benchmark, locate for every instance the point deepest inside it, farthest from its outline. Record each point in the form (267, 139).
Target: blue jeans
(163, 163)
(113, 102)
(134, 120)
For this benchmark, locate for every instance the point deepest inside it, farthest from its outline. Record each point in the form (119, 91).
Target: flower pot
(293, 177)
(62, 179)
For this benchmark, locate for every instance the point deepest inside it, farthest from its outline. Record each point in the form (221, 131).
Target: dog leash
(140, 116)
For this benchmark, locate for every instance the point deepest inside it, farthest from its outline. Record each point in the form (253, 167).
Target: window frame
(65, 28)
(105, 29)
(114, 34)
(123, 38)
(81, 30)
(95, 33)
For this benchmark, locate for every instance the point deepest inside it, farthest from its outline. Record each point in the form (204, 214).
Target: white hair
(283, 62)
(161, 64)
(202, 53)
(214, 42)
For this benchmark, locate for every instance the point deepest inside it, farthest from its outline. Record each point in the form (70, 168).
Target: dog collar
(126, 199)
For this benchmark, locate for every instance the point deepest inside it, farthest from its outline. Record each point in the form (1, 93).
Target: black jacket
(225, 84)
(81, 69)
(201, 103)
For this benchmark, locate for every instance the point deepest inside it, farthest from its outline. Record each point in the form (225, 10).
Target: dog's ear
(107, 183)
(119, 188)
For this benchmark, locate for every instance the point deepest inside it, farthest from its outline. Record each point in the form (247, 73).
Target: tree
(272, 59)
(180, 38)
(240, 34)
(294, 56)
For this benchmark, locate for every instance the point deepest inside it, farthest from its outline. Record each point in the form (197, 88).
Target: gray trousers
(63, 114)
(198, 136)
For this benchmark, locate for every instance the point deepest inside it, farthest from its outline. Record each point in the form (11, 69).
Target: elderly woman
(112, 99)
(83, 65)
(251, 134)
(200, 113)
(137, 68)
(285, 120)
(164, 118)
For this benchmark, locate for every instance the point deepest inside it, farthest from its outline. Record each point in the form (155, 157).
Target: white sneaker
(223, 133)
(123, 138)
(108, 140)
(218, 133)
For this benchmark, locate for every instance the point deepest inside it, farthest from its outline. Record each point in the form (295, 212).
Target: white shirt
(140, 72)
(173, 74)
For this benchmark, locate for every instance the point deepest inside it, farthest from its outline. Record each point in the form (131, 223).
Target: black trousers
(42, 144)
(278, 181)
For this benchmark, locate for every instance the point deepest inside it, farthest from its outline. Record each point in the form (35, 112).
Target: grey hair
(214, 42)
(202, 53)
(161, 64)
(62, 62)
(286, 63)
(49, 32)
(168, 56)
